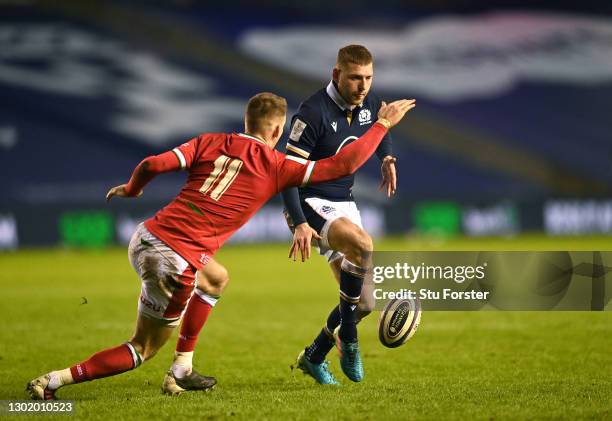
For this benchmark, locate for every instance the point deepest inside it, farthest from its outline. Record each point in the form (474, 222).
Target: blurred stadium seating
(512, 131)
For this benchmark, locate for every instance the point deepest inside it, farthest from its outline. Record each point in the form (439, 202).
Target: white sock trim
(136, 357)
(210, 299)
(352, 268)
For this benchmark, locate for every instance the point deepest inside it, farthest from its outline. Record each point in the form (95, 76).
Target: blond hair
(263, 107)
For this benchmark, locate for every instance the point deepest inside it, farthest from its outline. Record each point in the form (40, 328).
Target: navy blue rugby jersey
(320, 128)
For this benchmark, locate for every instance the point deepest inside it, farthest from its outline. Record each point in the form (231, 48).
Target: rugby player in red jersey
(230, 177)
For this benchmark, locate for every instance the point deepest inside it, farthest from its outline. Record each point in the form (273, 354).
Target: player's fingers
(407, 104)
(383, 181)
(404, 106)
(290, 251)
(298, 248)
(293, 251)
(307, 248)
(401, 103)
(316, 235)
(110, 194)
(303, 249)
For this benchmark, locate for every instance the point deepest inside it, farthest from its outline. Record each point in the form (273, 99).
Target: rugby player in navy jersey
(325, 123)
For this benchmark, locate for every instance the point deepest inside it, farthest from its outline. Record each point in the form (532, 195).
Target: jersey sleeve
(180, 157)
(292, 171)
(303, 134)
(187, 152)
(350, 158)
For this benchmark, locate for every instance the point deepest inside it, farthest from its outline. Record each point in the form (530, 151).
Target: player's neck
(257, 136)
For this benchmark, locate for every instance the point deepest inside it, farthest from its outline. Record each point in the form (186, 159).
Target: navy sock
(324, 342)
(351, 282)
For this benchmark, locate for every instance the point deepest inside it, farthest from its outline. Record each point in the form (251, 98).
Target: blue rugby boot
(350, 359)
(319, 372)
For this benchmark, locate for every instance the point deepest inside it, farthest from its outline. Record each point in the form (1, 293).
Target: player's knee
(365, 242)
(145, 350)
(360, 248)
(220, 279)
(214, 283)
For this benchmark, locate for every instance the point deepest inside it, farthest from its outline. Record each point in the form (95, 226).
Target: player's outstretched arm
(353, 156)
(145, 172)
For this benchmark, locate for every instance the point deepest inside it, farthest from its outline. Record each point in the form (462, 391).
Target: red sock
(194, 318)
(106, 363)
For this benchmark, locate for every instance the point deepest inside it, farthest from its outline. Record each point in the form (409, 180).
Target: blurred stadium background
(512, 133)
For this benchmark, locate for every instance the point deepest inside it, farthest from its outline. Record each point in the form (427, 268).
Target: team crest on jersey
(365, 117)
(297, 130)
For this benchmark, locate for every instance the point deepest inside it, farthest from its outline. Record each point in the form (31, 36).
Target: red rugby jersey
(230, 177)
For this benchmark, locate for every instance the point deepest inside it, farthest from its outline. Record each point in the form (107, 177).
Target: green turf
(488, 365)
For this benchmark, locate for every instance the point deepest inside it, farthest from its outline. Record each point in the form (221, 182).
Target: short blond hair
(263, 107)
(356, 54)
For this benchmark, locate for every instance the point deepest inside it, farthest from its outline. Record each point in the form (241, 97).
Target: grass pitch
(459, 365)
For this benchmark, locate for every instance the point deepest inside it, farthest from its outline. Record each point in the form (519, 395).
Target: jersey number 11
(222, 176)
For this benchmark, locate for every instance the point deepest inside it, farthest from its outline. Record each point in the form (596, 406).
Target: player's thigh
(167, 280)
(213, 275)
(346, 236)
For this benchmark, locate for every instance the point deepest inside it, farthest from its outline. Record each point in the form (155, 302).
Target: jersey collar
(260, 140)
(333, 93)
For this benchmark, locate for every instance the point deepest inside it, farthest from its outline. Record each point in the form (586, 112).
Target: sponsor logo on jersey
(297, 130)
(335, 126)
(327, 209)
(150, 304)
(204, 258)
(365, 117)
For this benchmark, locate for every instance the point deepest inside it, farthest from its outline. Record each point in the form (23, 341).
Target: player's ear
(336, 74)
(278, 131)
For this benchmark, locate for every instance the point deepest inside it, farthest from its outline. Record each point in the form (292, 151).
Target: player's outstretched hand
(395, 111)
(302, 237)
(119, 191)
(389, 176)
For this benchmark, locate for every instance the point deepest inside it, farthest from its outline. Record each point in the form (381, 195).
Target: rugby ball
(398, 321)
